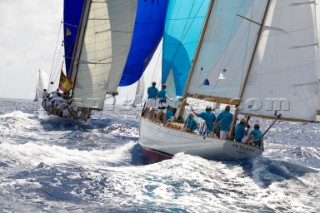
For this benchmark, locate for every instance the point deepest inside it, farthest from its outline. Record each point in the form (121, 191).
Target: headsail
(103, 45)
(183, 26)
(139, 92)
(148, 31)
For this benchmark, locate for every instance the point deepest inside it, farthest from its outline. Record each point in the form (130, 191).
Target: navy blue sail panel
(183, 26)
(71, 19)
(148, 31)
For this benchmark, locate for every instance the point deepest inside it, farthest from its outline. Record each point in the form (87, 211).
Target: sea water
(54, 165)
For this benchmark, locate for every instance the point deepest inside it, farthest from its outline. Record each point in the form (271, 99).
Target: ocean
(54, 165)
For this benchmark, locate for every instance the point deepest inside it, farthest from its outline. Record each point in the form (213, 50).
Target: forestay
(104, 48)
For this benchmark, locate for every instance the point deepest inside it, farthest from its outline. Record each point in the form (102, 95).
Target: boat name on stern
(243, 147)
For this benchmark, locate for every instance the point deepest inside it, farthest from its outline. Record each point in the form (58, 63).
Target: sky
(29, 32)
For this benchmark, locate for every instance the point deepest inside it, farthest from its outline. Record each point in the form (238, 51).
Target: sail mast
(79, 40)
(183, 104)
(249, 68)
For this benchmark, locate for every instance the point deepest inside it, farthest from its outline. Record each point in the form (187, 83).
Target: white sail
(284, 75)
(43, 80)
(104, 49)
(171, 89)
(139, 91)
(227, 48)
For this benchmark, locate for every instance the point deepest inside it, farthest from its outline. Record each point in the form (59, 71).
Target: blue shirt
(169, 114)
(257, 136)
(209, 118)
(240, 132)
(162, 95)
(225, 119)
(152, 92)
(191, 123)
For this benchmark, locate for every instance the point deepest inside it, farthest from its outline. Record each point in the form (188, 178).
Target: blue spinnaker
(71, 19)
(183, 26)
(148, 31)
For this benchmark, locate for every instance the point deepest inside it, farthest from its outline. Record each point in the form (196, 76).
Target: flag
(68, 32)
(206, 82)
(65, 83)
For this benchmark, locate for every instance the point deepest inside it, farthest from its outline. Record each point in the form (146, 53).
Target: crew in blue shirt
(240, 131)
(224, 121)
(255, 136)
(209, 118)
(190, 123)
(162, 95)
(169, 114)
(151, 102)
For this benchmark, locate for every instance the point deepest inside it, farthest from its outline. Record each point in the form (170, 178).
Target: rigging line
(224, 55)
(247, 46)
(241, 39)
(246, 51)
(57, 63)
(155, 69)
(54, 54)
(71, 25)
(57, 74)
(244, 59)
(252, 15)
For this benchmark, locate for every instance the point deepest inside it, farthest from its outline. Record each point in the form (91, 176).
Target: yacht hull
(160, 142)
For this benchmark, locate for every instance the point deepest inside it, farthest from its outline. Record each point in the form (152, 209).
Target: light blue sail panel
(183, 26)
(71, 19)
(148, 31)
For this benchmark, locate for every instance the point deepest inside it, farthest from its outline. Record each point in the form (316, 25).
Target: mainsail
(284, 75)
(139, 92)
(148, 31)
(102, 47)
(183, 26)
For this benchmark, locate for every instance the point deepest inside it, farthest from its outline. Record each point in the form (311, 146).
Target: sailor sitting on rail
(190, 123)
(169, 114)
(255, 136)
(241, 134)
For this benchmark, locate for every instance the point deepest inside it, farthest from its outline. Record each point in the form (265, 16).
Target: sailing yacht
(41, 85)
(260, 57)
(100, 40)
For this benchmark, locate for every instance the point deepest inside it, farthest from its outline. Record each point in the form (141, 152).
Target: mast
(183, 104)
(249, 67)
(79, 40)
